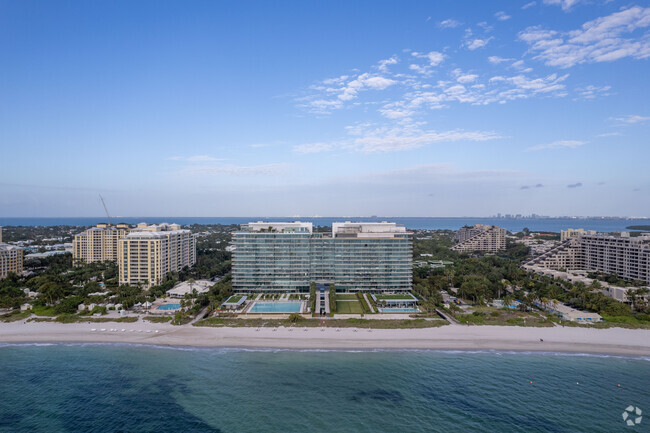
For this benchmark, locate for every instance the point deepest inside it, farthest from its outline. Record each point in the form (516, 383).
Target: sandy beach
(557, 339)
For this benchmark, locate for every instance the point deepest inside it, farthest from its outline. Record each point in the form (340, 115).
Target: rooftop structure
(366, 230)
(480, 238)
(183, 288)
(356, 257)
(268, 227)
(572, 233)
(234, 302)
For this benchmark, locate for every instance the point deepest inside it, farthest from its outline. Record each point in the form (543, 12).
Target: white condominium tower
(98, 244)
(148, 253)
(480, 238)
(354, 257)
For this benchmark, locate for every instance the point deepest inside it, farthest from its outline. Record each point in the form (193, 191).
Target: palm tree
(51, 290)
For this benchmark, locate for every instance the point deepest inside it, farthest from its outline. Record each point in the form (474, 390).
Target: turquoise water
(122, 388)
(275, 307)
(169, 306)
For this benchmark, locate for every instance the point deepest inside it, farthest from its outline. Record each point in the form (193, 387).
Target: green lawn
(348, 307)
(400, 296)
(234, 299)
(346, 297)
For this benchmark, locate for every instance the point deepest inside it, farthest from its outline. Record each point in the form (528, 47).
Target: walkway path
(447, 317)
(327, 302)
(199, 316)
(372, 309)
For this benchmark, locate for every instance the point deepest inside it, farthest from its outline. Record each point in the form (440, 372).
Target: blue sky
(460, 108)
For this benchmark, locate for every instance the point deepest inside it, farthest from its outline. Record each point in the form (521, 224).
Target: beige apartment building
(572, 233)
(11, 259)
(98, 244)
(148, 253)
(481, 237)
(628, 257)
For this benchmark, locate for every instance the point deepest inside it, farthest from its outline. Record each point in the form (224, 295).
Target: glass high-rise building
(354, 257)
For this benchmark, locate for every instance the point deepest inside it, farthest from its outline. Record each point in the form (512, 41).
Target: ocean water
(120, 388)
(512, 224)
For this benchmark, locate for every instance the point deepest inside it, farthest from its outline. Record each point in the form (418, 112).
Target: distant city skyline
(325, 108)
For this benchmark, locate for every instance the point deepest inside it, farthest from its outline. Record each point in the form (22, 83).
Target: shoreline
(612, 341)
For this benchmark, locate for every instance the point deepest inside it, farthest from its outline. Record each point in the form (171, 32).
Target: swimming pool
(275, 307)
(169, 306)
(398, 310)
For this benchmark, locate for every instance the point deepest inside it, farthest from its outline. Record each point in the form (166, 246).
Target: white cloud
(345, 88)
(610, 134)
(370, 138)
(207, 169)
(502, 16)
(467, 78)
(404, 138)
(473, 44)
(196, 158)
(383, 64)
(632, 118)
(529, 5)
(433, 58)
(313, 148)
(565, 4)
(395, 113)
(413, 90)
(563, 144)
(599, 40)
(495, 60)
(592, 92)
(449, 23)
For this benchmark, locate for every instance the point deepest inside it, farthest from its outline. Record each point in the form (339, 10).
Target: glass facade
(267, 261)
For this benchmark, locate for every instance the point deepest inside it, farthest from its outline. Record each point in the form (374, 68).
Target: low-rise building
(569, 313)
(187, 287)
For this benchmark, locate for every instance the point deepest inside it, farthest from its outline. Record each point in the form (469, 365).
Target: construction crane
(106, 209)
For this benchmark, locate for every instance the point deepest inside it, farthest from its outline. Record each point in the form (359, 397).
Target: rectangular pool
(169, 306)
(398, 310)
(275, 307)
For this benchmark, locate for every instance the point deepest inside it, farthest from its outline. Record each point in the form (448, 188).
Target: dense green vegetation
(481, 279)
(59, 286)
(332, 298)
(313, 323)
(364, 305)
(638, 227)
